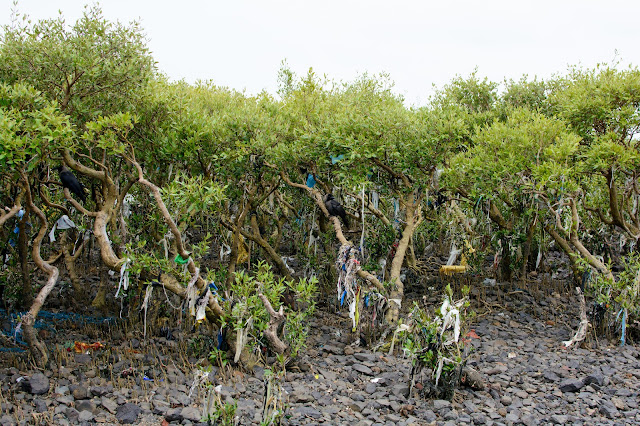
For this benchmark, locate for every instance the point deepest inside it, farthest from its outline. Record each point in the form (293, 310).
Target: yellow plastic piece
(452, 269)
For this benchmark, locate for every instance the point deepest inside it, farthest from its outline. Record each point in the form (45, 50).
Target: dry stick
(13, 211)
(271, 333)
(38, 349)
(581, 333)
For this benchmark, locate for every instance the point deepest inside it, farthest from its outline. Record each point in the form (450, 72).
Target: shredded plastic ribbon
(180, 260)
(124, 277)
(201, 306)
(63, 223)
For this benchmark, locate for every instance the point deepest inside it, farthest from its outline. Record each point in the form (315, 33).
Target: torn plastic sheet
(124, 277)
(192, 293)
(126, 205)
(63, 223)
(201, 306)
(145, 306)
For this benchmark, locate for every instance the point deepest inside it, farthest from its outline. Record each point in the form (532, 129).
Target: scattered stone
(594, 378)
(363, 369)
(191, 414)
(333, 350)
(571, 385)
(80, 392)
(308, 412)
(401, 390)
(38, 384)
(85, 416)
(109, 404)
(559, 419)
(40, 405)
(174, 415)
(128, 413)
(439, 404)
(82, 359)
(99, 390)
(607, 409)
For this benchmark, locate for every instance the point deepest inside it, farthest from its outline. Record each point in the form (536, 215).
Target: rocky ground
(529, 378)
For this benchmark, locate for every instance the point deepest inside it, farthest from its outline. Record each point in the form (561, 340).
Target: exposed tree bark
(200, 282)
(616, 208)
(413, 218)
(564, 245)
(38, 349)
(275, 322)
(23, 252)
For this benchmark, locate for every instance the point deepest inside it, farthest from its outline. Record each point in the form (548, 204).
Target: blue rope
(43, 322)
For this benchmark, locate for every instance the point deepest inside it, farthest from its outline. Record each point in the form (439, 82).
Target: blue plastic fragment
(344, 294)
(220, 339)
(311, 181)
(334, 160)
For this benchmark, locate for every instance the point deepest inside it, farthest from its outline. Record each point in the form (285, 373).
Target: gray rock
(128, 413)
(173, 415)
(308, 412)
(363, 369)
(61, 390)
(40, 405)
(191, 413)
(80, 392)
(109, 404)
(72, 414)
(607, 409)
(85, 416)
(370, 388)
(400, 390)
(366, 357)
(440, 404)
(86, 405)
(551, 376)
(38, 384)
(559, 419)
(333, 350)
(66, 399)
(83, 359)
(594, 378)
(99, 390)
(301, 396)
(571, 385)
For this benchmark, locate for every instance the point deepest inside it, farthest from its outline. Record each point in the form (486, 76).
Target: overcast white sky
(241, 43)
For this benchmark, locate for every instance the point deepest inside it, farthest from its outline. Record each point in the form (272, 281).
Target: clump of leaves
(249, 318)
(218, 412)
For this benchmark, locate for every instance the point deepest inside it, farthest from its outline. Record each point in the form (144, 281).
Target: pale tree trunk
(413, 219)
(23, 251)
(38, 349)
(571, 236)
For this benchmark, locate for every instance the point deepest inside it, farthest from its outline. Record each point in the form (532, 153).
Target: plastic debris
(82, 347)
(63, 223)
(124, 277)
